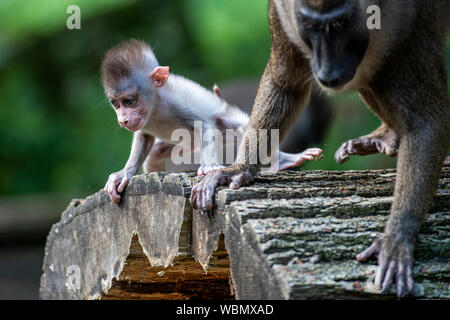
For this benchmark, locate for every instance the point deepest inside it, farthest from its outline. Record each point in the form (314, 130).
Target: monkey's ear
(159, 76)
(217, 91)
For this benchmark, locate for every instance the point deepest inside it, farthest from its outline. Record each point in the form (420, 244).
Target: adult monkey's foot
(206, 168)
(202, 194)
(383, 140)
(289, 160)
(395, 263)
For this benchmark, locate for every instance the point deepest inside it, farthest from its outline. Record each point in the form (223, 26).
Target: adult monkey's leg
(423, 124)
(283, 92)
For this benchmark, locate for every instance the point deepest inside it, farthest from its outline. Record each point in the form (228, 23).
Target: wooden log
(311, 255)
(185, 279)
(290, 235)
(90, 244)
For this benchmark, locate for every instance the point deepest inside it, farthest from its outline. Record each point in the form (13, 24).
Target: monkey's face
(336, 37)
(131, 111)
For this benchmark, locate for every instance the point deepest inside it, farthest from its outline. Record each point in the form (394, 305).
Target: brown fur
(121, 60)
(402, 79)
(407, 89)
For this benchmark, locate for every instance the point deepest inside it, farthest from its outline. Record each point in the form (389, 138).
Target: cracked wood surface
(290, 235)
(90, 244)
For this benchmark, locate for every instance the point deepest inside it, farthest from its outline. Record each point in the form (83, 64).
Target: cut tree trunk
(289, 235)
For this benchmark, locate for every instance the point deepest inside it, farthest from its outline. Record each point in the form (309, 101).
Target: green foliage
(41, 17)
(57, 131)
(233, 36)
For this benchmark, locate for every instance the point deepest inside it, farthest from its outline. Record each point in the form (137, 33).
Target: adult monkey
(400, 73)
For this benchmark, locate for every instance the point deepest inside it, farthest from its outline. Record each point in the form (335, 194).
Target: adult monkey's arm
(283, 92)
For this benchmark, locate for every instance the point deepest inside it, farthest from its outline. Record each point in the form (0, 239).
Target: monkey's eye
(114, 103)
(128, 101)
(311, 25)
(339, 25)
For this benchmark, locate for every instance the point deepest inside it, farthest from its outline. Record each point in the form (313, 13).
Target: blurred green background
(58, 136)
(57, 131)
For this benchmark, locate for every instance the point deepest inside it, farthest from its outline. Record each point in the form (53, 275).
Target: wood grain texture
(185, 279)
(289, 235)
(94, 235)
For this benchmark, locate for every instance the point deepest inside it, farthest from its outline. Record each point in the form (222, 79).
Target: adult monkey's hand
(236, 176)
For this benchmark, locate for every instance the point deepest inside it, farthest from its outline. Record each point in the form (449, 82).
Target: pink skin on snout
(130, 109)
(131, 119)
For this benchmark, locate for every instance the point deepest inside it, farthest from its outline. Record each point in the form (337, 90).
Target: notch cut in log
(290, 235)
(184, 280)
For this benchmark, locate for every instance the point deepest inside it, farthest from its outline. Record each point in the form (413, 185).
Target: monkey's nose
(123, 123)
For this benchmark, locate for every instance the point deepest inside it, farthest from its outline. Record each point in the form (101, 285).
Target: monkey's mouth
(337, 82)
(136, 126)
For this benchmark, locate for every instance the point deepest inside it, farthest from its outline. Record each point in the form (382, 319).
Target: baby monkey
(152, 103)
